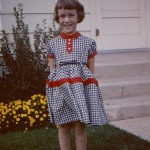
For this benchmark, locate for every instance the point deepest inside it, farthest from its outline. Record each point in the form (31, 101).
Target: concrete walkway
(136, 126)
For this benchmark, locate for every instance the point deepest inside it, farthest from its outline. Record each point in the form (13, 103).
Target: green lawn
(106, 137)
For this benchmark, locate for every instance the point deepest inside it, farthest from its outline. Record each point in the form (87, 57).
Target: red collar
(66, 36)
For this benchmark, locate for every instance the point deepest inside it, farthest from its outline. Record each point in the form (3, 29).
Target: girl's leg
(80, 135)
(64, 136)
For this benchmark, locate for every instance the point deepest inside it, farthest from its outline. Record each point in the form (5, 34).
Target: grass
(106, 137)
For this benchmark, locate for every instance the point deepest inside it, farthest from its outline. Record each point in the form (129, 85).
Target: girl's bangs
(65, 5)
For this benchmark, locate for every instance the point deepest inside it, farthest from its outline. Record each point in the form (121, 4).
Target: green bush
(26, 66)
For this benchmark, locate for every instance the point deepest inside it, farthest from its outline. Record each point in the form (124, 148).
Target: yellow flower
(4, 113)
(41, 119)
(36, 112)
(3, 107)
(16, 108)
(28, 103)
(43, 107)
(19, 115)
(18, 102)
(13, 106)
(29, 100)
(4, 117)
(15, 116)
(1, 103)
(14, 112)
(22, 115)
(39, 95)
(35, 103)
(44, 115)
(31, 124)
(29, 117)
(33, 120)
(37, 116)
(25, 107)
(29, 112)
(11, 103)
(41, 112)
(42, 96)
(34, 97)
(18, 119)
(19, 106)
(42, 102)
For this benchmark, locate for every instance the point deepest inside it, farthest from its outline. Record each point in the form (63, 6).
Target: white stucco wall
(148, 22)
(0, 37)
(0, 16)
(37, 10)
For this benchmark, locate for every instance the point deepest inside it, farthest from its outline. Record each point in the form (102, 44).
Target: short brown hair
(69, 4)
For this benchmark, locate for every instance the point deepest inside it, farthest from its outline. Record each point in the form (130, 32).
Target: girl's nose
(66, 19)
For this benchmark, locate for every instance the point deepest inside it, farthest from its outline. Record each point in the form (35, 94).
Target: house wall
(0, 17)
(0, 37)
(37, 10)
(148, 22)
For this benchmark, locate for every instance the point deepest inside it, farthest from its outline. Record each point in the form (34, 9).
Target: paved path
(136, 126)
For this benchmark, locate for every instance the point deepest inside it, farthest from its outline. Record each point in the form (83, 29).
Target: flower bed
(24, 115)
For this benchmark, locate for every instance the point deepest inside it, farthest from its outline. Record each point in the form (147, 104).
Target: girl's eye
(71, 15)
(62, 16)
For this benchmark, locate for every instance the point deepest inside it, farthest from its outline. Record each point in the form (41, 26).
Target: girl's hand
(91, 64)
(51, 63)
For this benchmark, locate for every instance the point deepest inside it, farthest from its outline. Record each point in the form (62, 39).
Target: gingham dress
(72, 91)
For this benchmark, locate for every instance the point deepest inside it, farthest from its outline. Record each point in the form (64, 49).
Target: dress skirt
(73, 94)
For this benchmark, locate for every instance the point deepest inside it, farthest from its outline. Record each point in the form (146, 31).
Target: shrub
(22, 115)
(26, 66)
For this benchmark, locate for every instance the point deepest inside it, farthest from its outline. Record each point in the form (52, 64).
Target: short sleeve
(92, 50)
(50, 53)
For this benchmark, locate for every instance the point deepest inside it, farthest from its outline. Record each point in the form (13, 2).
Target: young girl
(73, 94)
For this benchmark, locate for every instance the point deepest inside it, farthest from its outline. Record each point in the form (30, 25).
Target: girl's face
(68, 20)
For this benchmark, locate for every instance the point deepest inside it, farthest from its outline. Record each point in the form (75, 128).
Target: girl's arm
(91, 64)
(51, 63)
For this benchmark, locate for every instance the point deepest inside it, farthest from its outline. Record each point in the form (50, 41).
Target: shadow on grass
(106, 137)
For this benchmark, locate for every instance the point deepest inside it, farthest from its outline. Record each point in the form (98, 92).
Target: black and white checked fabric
(74, 100)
